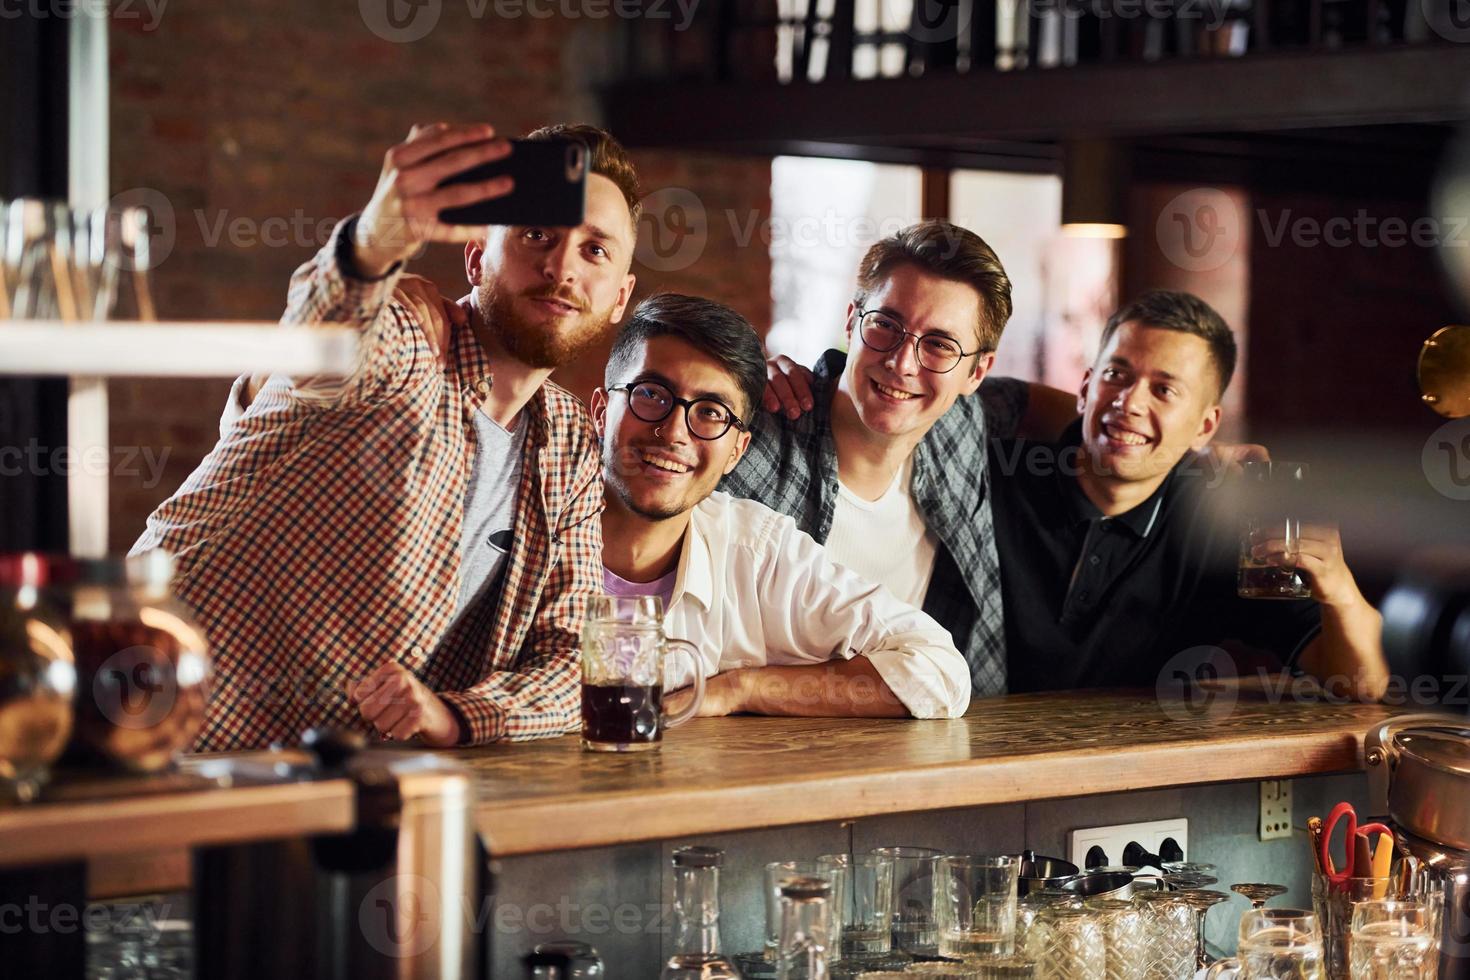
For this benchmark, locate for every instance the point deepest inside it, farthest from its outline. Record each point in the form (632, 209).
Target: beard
(540, 345)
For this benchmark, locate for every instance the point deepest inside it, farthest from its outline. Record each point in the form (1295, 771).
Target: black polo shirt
(1094, 601)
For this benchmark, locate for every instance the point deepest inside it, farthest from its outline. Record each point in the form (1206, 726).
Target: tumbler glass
(1028, 908)
(1276, 943)
(1333, 905)
(776, 872)
(862, 913)
(913, 898)
(975, 905)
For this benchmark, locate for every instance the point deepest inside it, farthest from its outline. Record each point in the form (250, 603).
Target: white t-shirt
(885, 540)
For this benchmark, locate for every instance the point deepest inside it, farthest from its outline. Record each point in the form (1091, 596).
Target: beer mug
(625, 658)
(1276, 943)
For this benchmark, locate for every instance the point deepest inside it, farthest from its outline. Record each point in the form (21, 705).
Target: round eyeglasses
(706, 418)
(936, 352)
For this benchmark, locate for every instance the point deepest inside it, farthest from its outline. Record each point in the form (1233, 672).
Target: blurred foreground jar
(143, 664)
(37, 677)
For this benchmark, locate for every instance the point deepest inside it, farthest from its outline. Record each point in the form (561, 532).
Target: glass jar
(37, 677)
(143, 664)
(1038, 900)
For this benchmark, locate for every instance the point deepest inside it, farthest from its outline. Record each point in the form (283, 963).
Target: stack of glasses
(60, 263)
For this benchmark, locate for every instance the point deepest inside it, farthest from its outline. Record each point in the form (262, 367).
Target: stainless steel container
(1419, 773)
(405, 896)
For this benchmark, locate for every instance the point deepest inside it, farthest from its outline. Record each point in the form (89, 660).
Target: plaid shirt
(791, 466)
(321, 536)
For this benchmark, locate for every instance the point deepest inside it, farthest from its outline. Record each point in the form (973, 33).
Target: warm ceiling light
(1095, 188)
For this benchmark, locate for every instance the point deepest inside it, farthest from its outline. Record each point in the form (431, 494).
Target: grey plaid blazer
(791, 467)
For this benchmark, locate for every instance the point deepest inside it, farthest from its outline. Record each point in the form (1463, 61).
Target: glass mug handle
(1223, 968)
(692, 652)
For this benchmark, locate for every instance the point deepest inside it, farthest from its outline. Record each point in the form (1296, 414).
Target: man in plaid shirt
(409, 549)
(881, 452)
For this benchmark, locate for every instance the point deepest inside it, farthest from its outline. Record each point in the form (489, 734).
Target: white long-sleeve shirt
(753, 590)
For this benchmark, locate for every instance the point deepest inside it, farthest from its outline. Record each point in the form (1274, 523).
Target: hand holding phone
(404, 212)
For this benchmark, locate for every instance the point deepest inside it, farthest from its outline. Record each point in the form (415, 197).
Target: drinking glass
(975, 905)
(1028, 908)
(1170, 934)
(1068, 944)
(985, 968)
(778, 871)
(862, 914)
(1333, 905)
(1275, 944)
(1392, 939)
(1201, 901)
(624, 665)
(913, 898)
(1273, 496)
(1125, 941)
(1258, 892)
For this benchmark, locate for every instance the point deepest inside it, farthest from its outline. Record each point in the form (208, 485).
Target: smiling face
(548, 294)
(1152, 397)
(659, 470)
(894, 396)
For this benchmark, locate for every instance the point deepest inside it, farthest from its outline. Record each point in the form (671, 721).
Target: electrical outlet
(1114, 839)
(1275, 809)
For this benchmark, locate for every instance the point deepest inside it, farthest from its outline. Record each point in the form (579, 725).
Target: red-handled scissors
(1339, 878)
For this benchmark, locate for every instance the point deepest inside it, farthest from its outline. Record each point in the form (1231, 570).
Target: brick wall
(260, 124)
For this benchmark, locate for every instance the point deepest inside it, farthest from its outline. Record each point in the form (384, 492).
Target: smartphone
(550, 186)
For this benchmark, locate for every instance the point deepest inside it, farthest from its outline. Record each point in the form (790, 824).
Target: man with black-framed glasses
(782, 627)
(884, 463)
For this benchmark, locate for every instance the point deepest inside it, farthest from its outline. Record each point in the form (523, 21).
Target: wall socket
(1275, 809)
(1114, 839)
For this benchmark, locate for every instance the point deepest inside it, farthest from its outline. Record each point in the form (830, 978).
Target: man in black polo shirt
(1112, 558)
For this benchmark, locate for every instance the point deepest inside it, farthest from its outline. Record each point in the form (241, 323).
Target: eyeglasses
(936, 352)
(707, 418)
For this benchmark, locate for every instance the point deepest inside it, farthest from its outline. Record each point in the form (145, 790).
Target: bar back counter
(582, 841)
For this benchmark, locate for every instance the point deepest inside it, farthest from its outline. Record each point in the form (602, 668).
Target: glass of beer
(625, 668)
(1272, 502)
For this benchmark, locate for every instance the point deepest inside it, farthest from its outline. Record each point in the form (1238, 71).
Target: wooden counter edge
(75, 831)
(564, 822)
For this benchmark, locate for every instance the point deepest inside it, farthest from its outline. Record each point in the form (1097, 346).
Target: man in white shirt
(786, 630)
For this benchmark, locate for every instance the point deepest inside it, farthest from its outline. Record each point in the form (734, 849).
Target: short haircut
(951, 252)
(1185, 313)
(706, 326)
(605, 156)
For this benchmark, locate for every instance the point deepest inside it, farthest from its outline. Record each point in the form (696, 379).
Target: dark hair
(705, 325)
(605, 156)
(1186, 313)
(948, 251)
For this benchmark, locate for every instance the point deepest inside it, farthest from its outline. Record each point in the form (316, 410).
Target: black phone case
(547, 191)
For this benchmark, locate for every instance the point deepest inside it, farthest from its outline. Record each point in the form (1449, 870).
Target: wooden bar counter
(729, 774)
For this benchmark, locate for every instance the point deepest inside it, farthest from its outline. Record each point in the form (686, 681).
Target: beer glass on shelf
(625, 661)
(1392, 940)
(1276, 944)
